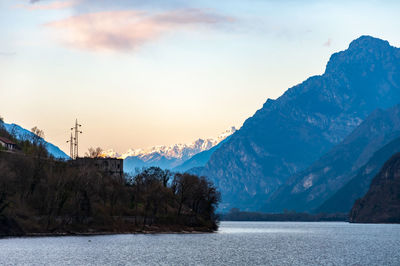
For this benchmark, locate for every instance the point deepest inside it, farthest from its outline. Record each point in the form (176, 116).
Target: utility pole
(77, 131)
(74, 148)
(71, 146)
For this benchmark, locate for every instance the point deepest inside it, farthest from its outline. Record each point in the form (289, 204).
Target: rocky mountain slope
(381, 204)
(287, 134)
(343, 200)
(308, 189)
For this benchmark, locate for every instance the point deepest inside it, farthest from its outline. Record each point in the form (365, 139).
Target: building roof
(6, 140)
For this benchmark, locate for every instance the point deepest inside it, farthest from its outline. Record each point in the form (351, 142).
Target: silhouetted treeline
(39, 194)
(237, 215)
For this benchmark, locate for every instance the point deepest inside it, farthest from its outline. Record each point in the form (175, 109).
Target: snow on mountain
(22, 133)
(110, 154)
(180, 151)
(166, 156)
(226, 134)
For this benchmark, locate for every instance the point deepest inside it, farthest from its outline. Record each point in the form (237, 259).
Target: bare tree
(39, 152)
(94, 152)
(37, 137)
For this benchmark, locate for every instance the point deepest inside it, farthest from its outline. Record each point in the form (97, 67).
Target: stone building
(112, 166)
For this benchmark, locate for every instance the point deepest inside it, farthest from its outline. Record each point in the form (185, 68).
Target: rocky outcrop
(381, 204)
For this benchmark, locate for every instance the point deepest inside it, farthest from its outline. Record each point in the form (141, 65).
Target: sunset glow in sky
(157, 72)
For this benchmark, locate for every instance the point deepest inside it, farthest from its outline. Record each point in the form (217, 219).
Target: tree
(3, 203)
(49, 195)
(2, 129)
(196, 193)
(183, 185)
(37, 139)
(39, 151)
(38, 136)
(94, 152)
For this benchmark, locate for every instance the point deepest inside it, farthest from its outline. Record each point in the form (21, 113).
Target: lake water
(236, 243)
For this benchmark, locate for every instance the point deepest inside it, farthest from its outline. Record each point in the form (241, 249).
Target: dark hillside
(343, 200)
(381, 204)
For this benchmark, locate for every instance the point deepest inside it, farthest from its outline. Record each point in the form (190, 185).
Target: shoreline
(38, 235)
(104, 233)
(34, 235)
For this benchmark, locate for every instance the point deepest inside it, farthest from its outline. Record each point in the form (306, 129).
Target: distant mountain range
(178, 157)
(200, 159)
(290, 133)
(171, 157)
(314, 149)
(22, 133)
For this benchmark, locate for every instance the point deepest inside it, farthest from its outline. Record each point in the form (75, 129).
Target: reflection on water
(258, 228)
(237, 243)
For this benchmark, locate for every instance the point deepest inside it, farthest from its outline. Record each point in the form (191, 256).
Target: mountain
(173, 151)
(131, 163)
(22, 133)
(198, 160)
(381, 204)
(169, 157)
(287, 134)
(308, 189)
(343, 200)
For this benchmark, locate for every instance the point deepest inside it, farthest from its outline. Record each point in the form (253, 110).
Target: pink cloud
(126, 30)
(49, 6)
(328, 43)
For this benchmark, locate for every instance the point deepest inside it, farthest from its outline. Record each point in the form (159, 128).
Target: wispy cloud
(134, 4)
(127, 30)
(7, 53)
(328, 43)
(54, 5)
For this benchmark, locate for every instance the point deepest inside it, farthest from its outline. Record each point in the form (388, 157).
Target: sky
(158, 72)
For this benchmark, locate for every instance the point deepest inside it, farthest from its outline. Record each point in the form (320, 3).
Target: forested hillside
(42, 195)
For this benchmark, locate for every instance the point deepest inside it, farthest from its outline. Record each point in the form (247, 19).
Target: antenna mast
(71, 146)
(74, 148)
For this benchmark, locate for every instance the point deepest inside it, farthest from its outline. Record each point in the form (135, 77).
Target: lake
(236, 243)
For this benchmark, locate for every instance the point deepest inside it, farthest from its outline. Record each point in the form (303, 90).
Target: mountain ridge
(289, 133)
(169, 157)
(200, 159)
(22, 133)
(308, 189)
(343, 200)
(381, 204)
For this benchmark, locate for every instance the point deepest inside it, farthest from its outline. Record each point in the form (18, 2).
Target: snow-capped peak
(226, 134)
(179, 151)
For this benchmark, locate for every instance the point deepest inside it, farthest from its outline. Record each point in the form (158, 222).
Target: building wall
(7, 146)
(110, 165)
